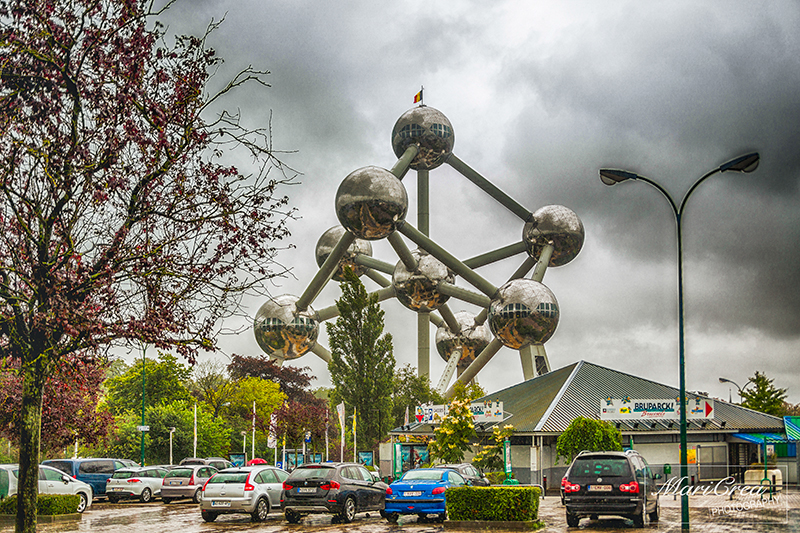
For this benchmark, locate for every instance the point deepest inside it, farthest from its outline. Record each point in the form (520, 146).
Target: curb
(472, 525)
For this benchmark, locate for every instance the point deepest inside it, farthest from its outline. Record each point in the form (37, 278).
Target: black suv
(610, 483)
(343, 489)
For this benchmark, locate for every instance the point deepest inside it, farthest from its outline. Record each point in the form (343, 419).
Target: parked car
(143, 483)
(610, 483)
(51, 481)
(217, 462)
(185, 482)
(422, 492)
(343, 489)
(255, 490)
(470, 473)
(91, 470)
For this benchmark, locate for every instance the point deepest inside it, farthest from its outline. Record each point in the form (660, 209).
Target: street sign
(664, 409)
(143, 428)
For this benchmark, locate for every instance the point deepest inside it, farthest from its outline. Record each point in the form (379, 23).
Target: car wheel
(349, 510)
(573, 520)
(83, 503)
(392, 517)
(208, 516)
(146, 495)
(638, 519)
(654, 514)
(113, 499)
(292, 517)
(166, 500)
(196, 496)
(261, 511)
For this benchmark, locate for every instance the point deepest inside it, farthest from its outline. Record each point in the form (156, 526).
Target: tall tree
(764, 396)
(212, 385)
(362, 363)
(118, 221)
(588, 434)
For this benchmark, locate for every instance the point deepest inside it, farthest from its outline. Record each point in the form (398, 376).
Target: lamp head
(746, 163)
(611, 176)
(723, 380)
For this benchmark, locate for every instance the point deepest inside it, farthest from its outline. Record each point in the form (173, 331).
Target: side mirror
(65, 479)
(469, 482)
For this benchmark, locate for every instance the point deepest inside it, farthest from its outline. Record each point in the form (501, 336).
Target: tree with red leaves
(294, 381)
(69, 405)
(119, 223)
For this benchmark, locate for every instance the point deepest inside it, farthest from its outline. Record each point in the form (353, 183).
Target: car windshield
(422, 474)
(601, 466)
(312, 472)
(180, 472)
(229, 477)
(122, 475)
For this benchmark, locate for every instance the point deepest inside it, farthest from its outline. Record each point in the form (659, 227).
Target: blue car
(421, 492)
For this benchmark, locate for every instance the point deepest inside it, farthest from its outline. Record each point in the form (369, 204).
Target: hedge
(501, 504)
(47, 504)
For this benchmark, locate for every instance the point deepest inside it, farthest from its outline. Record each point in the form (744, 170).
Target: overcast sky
(541, 95)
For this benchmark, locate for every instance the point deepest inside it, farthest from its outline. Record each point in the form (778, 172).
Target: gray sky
(541, 95)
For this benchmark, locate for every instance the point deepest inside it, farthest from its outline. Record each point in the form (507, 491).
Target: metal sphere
(283, 332)
(371, 203)
(556, 225)
(471, 340)
(328, 241)
(524, 312)
(430, 130)
(418, 290)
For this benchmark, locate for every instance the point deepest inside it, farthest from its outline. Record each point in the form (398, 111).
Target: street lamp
(244, 442)
(171, 431)
(741, 389)
(746, 163)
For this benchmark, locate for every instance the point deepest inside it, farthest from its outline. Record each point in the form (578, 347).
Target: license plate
(217, 503)
(412, 493)
(599, 488)
(306, 490)
(174, 482)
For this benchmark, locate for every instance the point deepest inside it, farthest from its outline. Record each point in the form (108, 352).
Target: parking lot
(708, 515)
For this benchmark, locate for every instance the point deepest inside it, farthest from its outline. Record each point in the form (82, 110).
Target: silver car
(143, 483)
(185, 482)
(51, 481)
(255, 490)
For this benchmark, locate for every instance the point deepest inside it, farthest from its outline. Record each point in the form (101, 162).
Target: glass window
(281, 475)
(605, 467)
(96, 467)
(119, 474)
(455, 479)
(180, 472)
(229, 477)
(312, 472)
(422, 474)
(365, 475)
(266, 476)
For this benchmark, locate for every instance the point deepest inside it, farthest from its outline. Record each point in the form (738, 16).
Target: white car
(51, 481)
(143, 483)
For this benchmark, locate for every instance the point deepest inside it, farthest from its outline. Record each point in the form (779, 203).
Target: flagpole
(194, 453)
(355, 446)
(253, 440)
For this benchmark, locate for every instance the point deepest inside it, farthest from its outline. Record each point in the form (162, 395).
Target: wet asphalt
(707, 515)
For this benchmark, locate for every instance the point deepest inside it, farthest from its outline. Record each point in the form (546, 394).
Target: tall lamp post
(741, 389)
(171, 431)
(745, 163)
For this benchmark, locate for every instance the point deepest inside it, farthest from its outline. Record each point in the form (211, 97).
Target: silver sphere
(328, 241)
(524, 312)
(371, 203)
(417, 290)
(471, 340)
(282, 332)
(556, 225)
(428, 128)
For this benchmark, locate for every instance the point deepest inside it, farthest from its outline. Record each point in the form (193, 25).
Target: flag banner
(340, 412)
(418, 97)
(405, 420)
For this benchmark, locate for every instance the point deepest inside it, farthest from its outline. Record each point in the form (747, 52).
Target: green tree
(453, 436)
(764, 396)
(212, 385)
(410, 390)
(588, 434)
(470, 392)
(165, 380)
(213, 434)
(490, 458)
(362, 363)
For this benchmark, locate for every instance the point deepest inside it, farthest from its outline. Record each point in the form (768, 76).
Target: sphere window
(515, 311)
(549, 310)
(441, 130)
(410, 131)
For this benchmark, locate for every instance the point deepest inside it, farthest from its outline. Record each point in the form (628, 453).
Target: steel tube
(468, 296)
(487, 187)
(403, 252)
(325, 272)
(401, 166)
(496, 255)
(472, 370)
(376, 264)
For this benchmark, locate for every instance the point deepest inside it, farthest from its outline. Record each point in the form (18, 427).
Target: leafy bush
(587, 434)
(504, 504)
(47, 504)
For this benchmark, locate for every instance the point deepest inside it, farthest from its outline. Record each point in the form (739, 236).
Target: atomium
(558, 226)
(418, 289)
(524, 312)
(471, 339)
(284, 332)
(371, 203)
(328, 241)
(430, 130)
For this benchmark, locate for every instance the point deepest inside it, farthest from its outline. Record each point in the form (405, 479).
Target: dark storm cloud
(541, 96)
